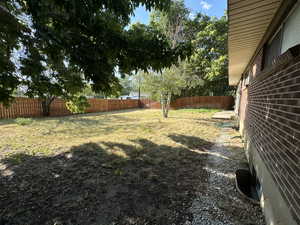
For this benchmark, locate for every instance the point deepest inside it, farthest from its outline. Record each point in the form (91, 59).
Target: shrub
(23, 121)
(77, 104)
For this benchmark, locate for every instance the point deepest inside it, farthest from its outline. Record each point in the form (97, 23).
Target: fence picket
(26, 107)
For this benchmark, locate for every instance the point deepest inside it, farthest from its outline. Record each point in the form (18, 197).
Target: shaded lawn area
(118, 168)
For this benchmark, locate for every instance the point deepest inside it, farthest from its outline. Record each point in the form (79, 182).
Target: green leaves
(209, 60)
(170, 81)
(69, 43)
(10, 30)
(77, 104)
(172, 23)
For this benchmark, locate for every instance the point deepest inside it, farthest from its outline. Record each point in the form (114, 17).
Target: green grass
(23, 121)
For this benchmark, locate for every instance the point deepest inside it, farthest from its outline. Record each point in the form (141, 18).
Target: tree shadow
(102, 183)
(191, 142)
(207, 121)
(106, 183)
(7, 121)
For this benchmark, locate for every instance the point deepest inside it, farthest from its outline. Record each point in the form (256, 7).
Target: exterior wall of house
(269, 116)
(269, 119)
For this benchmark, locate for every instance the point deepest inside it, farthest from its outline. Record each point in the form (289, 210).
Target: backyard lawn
(130, 167)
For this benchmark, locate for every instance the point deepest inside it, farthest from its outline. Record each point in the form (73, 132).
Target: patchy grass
(113, 168)
(23, 121)
(55, 135)
(202, 110)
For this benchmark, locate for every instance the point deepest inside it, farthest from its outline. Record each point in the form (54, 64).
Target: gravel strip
(218, 202)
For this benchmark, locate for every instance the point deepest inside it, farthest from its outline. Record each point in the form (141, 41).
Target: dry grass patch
(55, 135)
(118, 168)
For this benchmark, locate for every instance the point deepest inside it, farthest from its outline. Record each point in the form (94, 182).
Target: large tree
(172, 22)
(209, 60)
(92, 38)
(47, 76)
(10, 30)
(175, 23)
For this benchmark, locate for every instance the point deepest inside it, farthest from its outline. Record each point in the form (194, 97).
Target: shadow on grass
(202, 120)
(145, 183)
(7, 121)
(191, 142)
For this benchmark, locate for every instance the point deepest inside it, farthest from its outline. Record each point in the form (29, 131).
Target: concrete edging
(274, 207)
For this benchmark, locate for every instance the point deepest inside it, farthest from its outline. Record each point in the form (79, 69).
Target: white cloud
(205, 5)
(192, 15)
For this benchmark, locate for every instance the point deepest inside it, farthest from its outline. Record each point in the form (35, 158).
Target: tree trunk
(165, 104)
(46, 102)
(168, 104)
(139, 92)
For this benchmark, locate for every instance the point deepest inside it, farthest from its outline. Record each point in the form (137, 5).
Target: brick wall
(270, 114)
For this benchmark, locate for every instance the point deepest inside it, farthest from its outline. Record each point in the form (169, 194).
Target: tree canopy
(209, 60)
(206, 70)
(70, 43)
(173, 22)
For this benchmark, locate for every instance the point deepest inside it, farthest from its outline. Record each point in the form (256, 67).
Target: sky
(209, 7)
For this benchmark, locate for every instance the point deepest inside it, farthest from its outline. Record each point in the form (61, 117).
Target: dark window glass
(291, 31)
(273, 50)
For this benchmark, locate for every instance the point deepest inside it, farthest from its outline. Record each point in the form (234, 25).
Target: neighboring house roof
(134, 94)
(249, 21)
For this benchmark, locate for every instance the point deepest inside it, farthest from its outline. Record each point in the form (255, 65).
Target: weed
(16, 159)
(23, 121)
(40, 151)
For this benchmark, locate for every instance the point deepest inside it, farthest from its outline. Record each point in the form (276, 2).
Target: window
(291, 31)
(286, 37)
(272, 49)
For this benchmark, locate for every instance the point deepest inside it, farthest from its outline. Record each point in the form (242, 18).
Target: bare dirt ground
(121, 169)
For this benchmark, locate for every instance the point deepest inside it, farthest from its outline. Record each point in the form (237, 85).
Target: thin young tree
(174, 24)
(162, 86)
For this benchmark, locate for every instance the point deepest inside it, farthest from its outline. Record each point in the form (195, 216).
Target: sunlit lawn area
(131, 167)
(55, 135)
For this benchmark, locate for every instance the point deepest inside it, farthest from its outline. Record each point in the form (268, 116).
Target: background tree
(126, 84)
(88, 92)
(208, 65)
(209, 60)
(172, 22)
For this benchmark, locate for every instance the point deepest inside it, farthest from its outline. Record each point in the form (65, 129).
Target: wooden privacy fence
(216, 102)
(27, 107)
